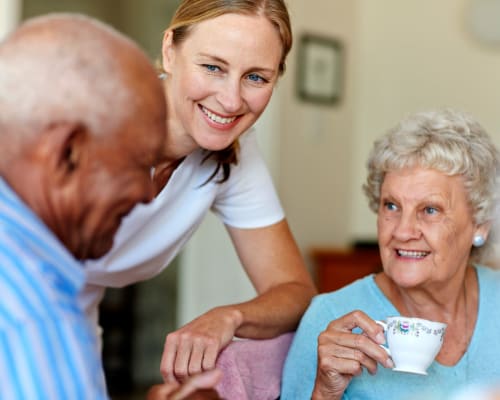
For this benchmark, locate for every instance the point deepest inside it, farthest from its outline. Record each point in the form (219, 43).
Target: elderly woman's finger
(363, 348)
(358, 319)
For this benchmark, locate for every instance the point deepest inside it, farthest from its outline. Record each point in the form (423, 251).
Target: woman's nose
(230, 97)
(407, 227)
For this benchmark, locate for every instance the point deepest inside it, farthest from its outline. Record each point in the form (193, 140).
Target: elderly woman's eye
(431, 210)
(390, 206)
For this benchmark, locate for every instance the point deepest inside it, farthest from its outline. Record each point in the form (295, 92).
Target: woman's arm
(273, 262)
(276, 268)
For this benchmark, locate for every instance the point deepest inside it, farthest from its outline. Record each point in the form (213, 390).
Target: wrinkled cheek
(384, 232)
(450, 238)
(446, 248)
(388, 257)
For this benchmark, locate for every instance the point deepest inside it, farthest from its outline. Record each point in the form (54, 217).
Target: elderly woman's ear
(481, 234)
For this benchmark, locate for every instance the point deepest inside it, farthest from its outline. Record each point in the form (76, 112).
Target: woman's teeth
(412, 254)
(216, 118)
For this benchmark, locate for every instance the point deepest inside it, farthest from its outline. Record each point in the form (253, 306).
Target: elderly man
(82, 121)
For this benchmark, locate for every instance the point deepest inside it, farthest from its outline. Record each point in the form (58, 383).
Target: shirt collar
(17, 214)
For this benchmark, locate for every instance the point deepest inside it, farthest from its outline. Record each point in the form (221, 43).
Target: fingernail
(389, 363)
(380, 338)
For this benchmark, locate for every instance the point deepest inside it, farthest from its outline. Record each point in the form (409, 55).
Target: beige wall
(317, 141)
(416, 55)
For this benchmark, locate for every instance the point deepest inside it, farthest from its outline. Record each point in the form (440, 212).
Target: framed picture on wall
(319, 72)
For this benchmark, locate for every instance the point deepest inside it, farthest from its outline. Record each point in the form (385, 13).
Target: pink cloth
(252, 368)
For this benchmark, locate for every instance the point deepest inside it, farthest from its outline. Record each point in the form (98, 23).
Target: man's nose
(148, 190)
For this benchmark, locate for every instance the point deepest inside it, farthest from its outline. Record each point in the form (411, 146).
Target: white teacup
(413, 342)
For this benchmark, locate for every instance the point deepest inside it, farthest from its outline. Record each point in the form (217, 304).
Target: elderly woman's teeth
(412, 254)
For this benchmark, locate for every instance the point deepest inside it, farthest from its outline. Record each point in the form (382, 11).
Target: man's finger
(204, 380)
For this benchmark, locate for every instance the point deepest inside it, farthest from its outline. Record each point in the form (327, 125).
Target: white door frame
(10, 15)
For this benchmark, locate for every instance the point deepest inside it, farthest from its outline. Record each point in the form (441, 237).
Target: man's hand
(197, 387)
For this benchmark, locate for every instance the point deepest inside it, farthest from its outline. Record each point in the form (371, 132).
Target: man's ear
(167, 51)
(64, 147)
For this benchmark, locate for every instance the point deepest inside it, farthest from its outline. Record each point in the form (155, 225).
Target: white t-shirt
(153, 234)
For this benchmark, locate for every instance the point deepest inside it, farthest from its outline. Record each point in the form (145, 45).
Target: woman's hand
(194, 347)
(343, 354)
(198, 387)
(273, 262)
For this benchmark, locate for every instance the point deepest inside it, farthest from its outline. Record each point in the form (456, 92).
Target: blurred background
(376, 61)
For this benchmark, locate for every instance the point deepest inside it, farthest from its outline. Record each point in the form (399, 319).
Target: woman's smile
(424, 221)
(413, 254)
(220, 81)
(219, 121)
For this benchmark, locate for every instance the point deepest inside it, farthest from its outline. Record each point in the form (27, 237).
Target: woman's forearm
(274, 312)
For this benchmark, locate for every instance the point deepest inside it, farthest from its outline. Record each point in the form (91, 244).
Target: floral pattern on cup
(414, 328)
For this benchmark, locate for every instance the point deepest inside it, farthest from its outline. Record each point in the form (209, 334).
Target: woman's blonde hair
(191, 12)
(448, 141)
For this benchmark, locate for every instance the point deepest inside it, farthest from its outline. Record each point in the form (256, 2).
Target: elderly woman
(432, 183)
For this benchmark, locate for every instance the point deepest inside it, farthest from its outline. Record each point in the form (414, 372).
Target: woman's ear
(483, 230)
(167, 51)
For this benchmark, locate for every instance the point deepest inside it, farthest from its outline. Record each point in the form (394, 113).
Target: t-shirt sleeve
(248, 198)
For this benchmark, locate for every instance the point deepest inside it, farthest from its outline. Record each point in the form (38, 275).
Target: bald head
(82, 121)
(68, 67)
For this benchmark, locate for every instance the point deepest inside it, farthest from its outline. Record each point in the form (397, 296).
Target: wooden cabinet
(336, 268)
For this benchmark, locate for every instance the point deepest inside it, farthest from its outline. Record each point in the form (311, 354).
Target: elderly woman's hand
(342, 354)
(198, 387)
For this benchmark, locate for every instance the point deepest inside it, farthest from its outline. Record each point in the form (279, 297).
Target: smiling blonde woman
(221, 61)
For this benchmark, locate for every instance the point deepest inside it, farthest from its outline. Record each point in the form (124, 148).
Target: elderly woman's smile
(432, 180)
(425, 225)
(411, 253)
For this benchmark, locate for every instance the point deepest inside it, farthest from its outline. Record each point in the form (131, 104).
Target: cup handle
(386, 350)
(384, 325)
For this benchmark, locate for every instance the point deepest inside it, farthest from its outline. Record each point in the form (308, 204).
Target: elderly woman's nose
(407, 226)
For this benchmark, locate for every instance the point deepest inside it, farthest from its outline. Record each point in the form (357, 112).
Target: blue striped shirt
(47, 348)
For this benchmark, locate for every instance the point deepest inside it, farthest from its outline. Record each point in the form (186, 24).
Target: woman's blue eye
(431, 210)
(211, 68)
(256, 78)
(390, 206)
